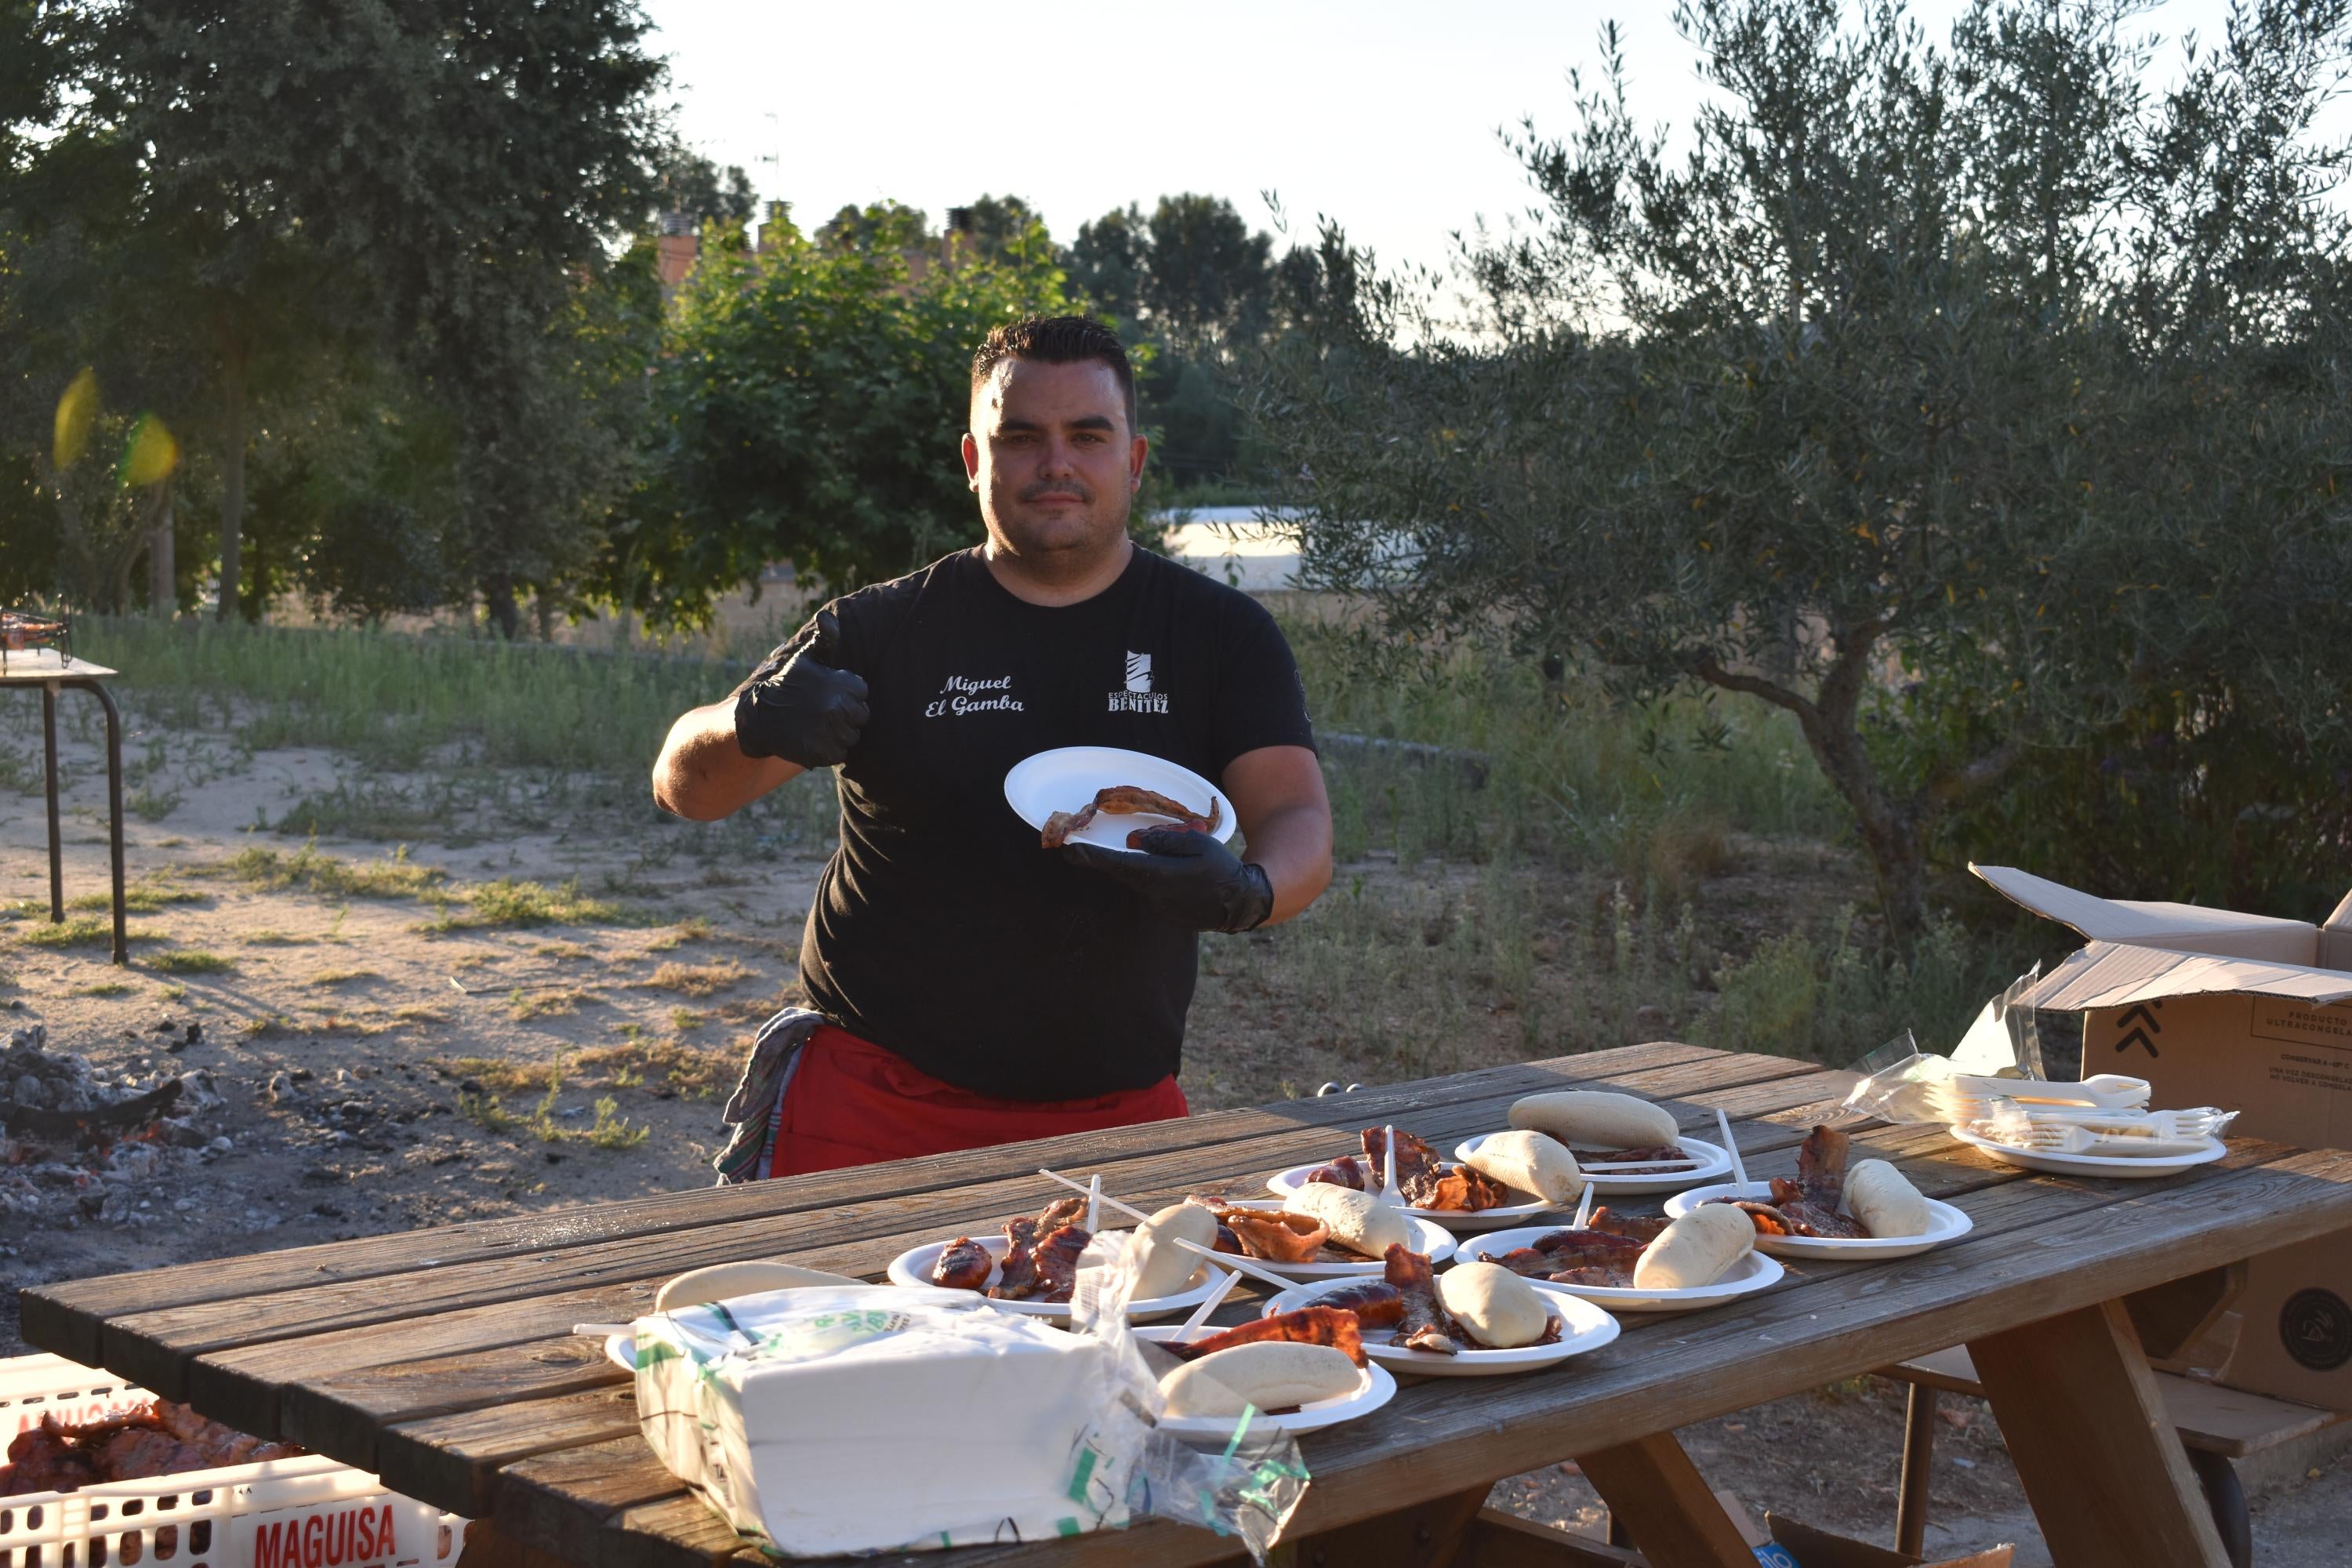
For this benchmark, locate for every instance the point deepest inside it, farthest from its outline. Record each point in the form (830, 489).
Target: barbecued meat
(1345, 1172)
(965, 1266)
(1377, 1305)
(1809, 1205)
(1589, 1257)
(1271, 1235)
(1422, 1179)
(1316, 1325)
(1644, 1228)
(1058, 1262)
(155, 1438)
(1425, 1325)
(1040, 1267)
(1130, 800)
(1227, 1241)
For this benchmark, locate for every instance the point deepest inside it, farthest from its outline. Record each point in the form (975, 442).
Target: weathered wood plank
(1652, 1485)
(2000, 1277)
(463, 1452)
(157, 1348)
(64, 1317)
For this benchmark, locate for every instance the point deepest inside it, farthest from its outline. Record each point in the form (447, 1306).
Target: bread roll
(1162, 1268)
(1697, 1249)
(1358, 1221)
(1494, 1306)
(1529, 1161)
(1272, 1374)
(1885, 1201)
(724, 1281)
(1596, 1118)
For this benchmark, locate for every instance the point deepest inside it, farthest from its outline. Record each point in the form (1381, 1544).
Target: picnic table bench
(442, 1359)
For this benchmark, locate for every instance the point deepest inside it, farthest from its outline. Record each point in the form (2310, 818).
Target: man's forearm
(702, 775)
(1294, 847)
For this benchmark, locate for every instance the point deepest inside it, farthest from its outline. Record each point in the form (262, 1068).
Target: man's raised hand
(808, 712)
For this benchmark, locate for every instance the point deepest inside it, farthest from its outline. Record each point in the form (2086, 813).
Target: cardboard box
(2249, 1013)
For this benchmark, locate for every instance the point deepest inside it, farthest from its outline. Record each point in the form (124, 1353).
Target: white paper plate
(1946, 1224)
(913, 1266)
(1582, 1327)
(1374, 1388)
(1068, 777)
(1288, 1181)
(1428, 1236)
(1755, 1272)
(1714, 1162)
(620, 1349)
(2050, 1159)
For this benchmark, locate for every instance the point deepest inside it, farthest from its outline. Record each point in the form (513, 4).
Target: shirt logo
(1138, 697)
(965, 694)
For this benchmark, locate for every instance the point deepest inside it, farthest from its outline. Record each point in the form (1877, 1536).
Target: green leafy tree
(1964, 403)
(1105, 262)
(294, 182)
(808, 408)
(1001, 226)
(691, 183)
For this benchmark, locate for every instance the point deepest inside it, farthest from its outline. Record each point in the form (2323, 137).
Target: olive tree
(1960, 400)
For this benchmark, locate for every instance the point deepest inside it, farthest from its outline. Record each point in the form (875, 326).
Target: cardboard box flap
(2342, 919)
(2115, 974)
(2186, 928)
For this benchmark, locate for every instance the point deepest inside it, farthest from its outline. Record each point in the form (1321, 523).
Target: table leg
(49, 775)
(1918, 1461)
(2102, 1465)
(1667, 1509)
(115, 812)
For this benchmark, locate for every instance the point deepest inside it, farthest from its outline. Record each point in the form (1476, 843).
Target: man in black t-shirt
(978, 987)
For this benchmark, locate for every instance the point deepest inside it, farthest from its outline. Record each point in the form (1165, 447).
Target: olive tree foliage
(1966, 401)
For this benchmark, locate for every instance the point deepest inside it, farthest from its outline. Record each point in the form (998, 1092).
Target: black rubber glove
(807, 712)
(1188, 877)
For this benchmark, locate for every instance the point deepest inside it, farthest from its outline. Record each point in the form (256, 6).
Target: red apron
(851, 1103)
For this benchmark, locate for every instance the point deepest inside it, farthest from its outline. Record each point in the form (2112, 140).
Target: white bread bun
(1358, 1221)
(1885, 1201)
(1494, 1306)
(1596, 1118)
(1162, 1268)
(723, 1281)
(1528, 1161)
(1272, 1374)
(1697, 1249)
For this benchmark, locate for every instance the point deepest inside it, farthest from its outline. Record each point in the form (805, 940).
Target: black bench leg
(2226, 1498)
(1919, 1454)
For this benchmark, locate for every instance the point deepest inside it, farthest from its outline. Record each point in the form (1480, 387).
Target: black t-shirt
(942, 931)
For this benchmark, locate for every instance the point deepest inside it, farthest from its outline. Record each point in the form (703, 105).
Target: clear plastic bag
(2087, 1130)
(1902, 1083)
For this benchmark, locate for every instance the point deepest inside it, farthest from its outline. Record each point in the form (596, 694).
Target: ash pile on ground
(78, 1149)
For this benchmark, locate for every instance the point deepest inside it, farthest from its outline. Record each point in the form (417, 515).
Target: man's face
(1051, 458)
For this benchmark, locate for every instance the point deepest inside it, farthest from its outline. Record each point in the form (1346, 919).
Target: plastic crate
(306, 1512)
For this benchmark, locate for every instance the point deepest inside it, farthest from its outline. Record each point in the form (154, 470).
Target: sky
(1384, 115)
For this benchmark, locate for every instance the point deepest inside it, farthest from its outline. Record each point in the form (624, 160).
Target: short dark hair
(1056, 340)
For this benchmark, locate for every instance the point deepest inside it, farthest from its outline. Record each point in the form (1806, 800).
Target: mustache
(1056, 487)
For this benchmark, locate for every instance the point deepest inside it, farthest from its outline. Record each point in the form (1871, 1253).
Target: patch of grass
(686, 1020)
(153, 805)
(86, 931)
(145, 898)
(106, 988)
(417, 1012)
(507, 904)
(697, 980)
(693, 1071)
(609, 1130)
(343, 977)
(270, 937)
(526, 1005)
(190, 961)
(696, 929)
(566, 951)
(495, 1074)
(309, 870)
(267, 1026)
(1834, 999)
(171, 992)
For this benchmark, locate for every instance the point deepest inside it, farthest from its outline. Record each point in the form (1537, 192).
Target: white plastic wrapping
(873, 1418)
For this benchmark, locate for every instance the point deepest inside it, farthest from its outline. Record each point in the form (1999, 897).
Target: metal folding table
(52, 673)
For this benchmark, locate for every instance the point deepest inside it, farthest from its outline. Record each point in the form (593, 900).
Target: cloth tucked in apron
(851, 1103)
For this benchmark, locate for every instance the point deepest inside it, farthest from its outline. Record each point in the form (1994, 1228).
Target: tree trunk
(232, 513)
(498, 598)
(163, 568)
(545, 607)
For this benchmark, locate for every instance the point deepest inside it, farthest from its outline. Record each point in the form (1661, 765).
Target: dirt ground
(526, 1018)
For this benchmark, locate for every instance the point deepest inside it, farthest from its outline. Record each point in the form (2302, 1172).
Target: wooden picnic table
(441, 1359)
